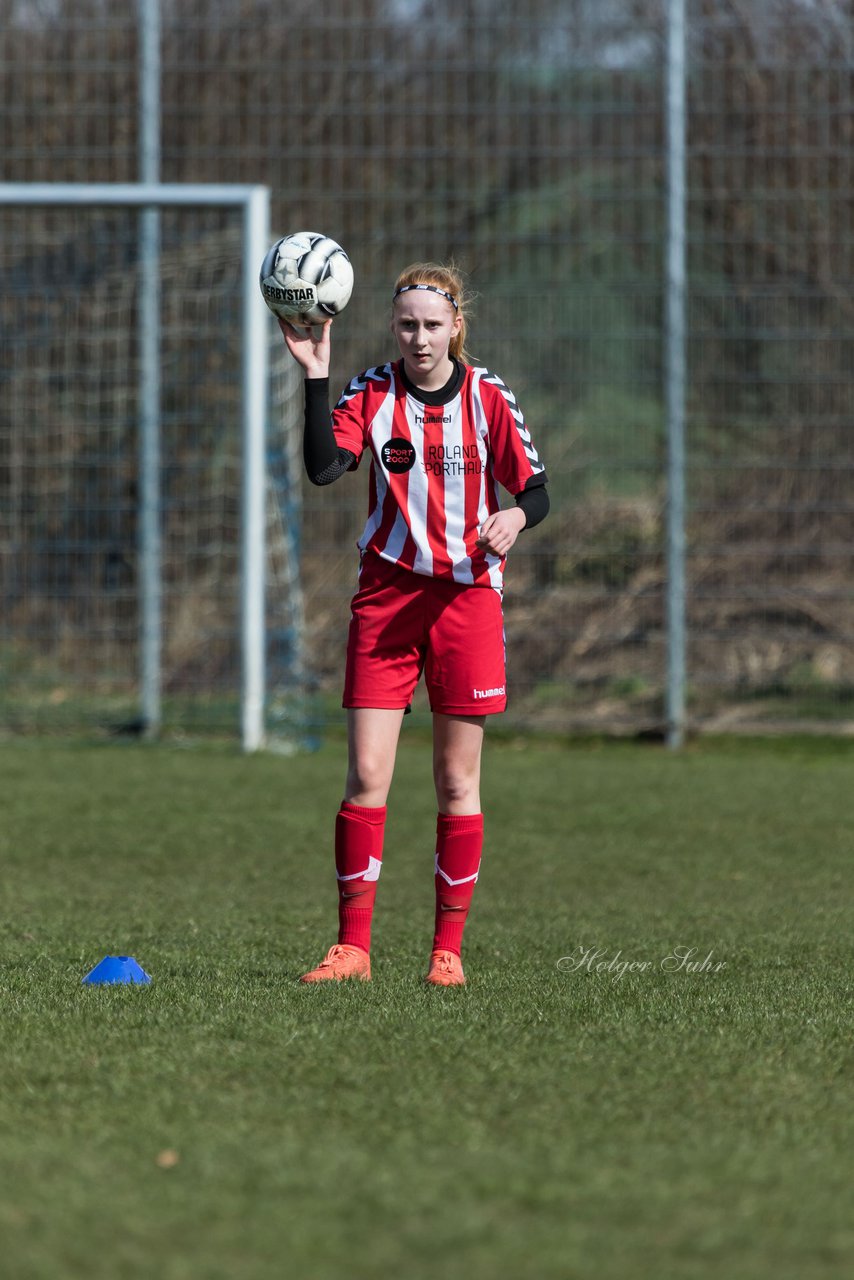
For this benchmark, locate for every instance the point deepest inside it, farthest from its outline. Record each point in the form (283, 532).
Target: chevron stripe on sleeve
(516, 458)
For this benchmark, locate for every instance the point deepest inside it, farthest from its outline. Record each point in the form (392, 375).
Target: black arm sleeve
(324, 460)
(534, 502)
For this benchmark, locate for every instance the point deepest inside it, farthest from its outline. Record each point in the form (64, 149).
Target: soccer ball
(306, 278)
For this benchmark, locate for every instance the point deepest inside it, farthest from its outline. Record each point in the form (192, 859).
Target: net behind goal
(71, 577)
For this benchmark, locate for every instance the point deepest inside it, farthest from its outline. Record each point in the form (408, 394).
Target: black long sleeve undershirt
(534, 502)
(325, 460)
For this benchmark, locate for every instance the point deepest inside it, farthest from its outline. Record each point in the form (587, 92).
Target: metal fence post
(674, 370)
(149, 534)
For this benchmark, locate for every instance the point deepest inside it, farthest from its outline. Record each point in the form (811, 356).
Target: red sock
(459, 843)
(358, 862)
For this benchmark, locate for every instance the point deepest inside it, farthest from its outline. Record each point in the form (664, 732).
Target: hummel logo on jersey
(489, 693)
(432, 419)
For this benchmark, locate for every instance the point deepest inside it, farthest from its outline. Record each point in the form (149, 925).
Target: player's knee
(455, 785)
(368, 776)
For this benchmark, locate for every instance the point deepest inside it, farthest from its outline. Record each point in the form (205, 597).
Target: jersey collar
(444, 394)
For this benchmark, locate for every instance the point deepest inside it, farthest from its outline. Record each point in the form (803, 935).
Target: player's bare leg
(372, 737)
(457, 748)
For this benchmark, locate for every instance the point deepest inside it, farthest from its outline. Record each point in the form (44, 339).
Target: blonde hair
(449, 281)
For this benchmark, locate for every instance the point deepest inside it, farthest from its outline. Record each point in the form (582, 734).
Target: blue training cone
(117, 969)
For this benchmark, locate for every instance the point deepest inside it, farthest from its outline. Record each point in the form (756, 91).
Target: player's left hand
(500, 530)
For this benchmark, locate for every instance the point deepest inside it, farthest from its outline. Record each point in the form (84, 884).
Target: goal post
(254, 204)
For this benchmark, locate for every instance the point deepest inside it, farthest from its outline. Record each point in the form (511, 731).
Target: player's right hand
(310, 347)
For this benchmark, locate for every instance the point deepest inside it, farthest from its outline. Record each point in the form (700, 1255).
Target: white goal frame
(254, 202)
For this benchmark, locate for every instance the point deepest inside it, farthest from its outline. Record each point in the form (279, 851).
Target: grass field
(559, 1117)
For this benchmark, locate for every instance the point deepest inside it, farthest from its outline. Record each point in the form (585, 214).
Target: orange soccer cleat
(341, 961)
(446, 970)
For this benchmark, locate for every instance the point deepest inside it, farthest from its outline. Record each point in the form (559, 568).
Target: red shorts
(404, 623)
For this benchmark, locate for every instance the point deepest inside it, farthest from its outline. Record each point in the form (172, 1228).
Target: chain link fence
(527, 143)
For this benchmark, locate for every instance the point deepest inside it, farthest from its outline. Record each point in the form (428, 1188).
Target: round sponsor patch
(398, 455)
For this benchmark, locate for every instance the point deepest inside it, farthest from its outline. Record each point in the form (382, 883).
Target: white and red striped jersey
(435, 469)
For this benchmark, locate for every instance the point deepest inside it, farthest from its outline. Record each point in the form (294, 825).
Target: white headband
(404, 288)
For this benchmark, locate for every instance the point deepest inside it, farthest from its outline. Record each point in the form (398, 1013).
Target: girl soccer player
(441, 433)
